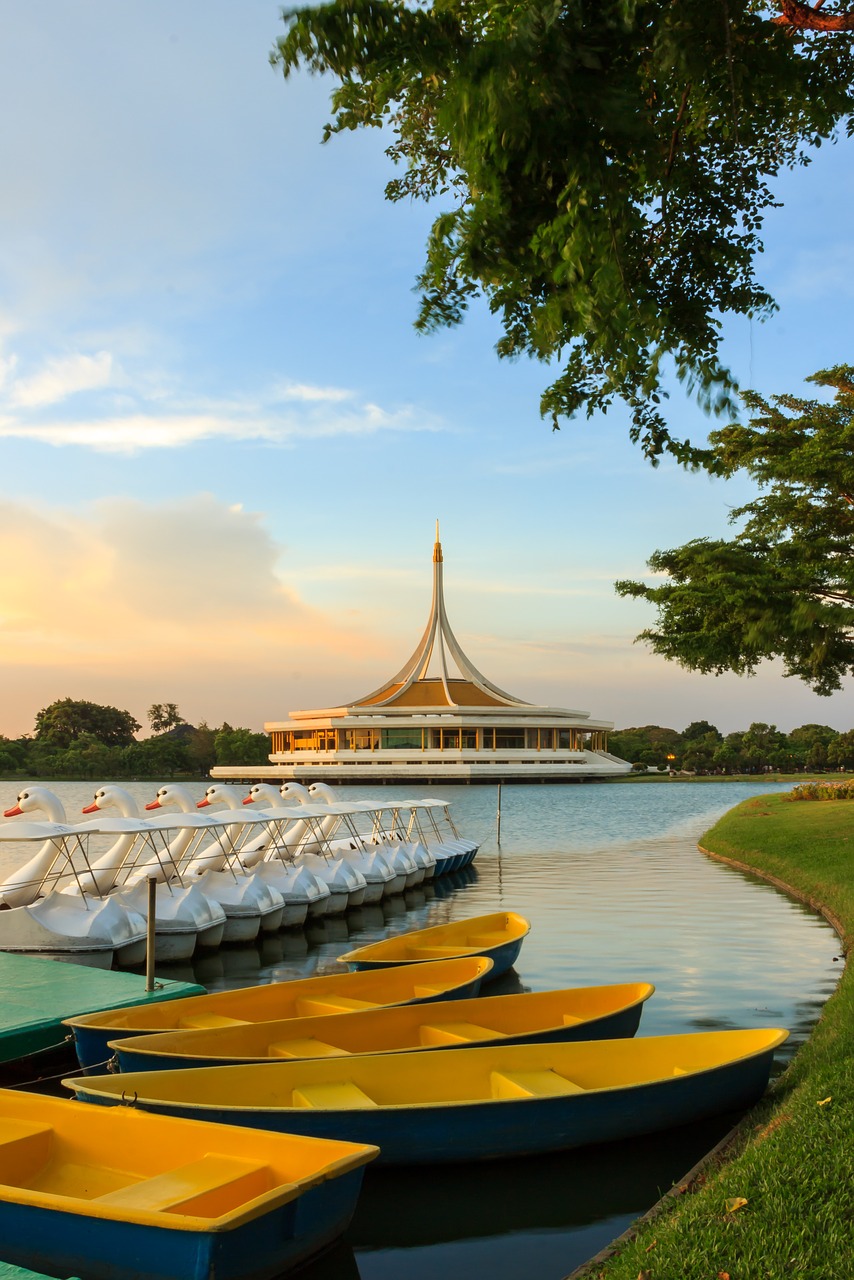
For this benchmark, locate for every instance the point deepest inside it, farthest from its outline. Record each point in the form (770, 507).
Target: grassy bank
(790, 1168)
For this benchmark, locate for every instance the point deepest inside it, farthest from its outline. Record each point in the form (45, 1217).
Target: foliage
(241, 746)
(66, 721)
(605, 171)
(762, 748)
(163, 716)
(823, 791)
(784, 586)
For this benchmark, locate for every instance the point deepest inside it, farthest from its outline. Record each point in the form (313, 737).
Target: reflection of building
(452, 726)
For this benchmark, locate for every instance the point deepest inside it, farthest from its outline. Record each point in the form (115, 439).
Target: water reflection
(616, 891)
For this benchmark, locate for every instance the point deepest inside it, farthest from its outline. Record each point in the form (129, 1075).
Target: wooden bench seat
(304, 1047)
(456, 1033)
(309, 1006)
(207, 1022)
(531, 1084)
(207, 1187)
(339, 1095)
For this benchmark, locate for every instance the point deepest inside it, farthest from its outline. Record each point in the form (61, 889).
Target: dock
(37, 994)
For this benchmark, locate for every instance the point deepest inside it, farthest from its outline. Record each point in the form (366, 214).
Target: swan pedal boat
(498, 936)
(332, 993)
(470, 1104)
(153, 1198)
(579, 1013)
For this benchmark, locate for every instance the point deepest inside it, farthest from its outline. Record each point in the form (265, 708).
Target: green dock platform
(8, 1272)
(36, 994)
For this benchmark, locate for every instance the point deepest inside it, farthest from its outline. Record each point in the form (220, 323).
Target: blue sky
(225, 447)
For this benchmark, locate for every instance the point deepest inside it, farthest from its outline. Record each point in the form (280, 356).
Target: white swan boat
(38, 917)
(303, 893)
(249, 902)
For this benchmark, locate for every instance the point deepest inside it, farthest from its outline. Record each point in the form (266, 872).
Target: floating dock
(38, 993)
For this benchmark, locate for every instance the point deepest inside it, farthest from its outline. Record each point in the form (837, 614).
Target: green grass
(793, 1159)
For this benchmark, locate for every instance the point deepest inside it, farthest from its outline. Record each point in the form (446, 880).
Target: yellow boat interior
(481, 933)
(332, 993)
(399, 1028)
(127, 1164)
(457, 1076)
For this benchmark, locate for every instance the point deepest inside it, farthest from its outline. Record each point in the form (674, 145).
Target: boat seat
(208, 1021)
(431, 953)
(680, 1071)
(305, 1047)
(207, 1187)
(531, 1084)
(456, 1033)
(342, 1094)
(570, 1020)
(24, 1148)
(425, 993)
(307, 1008)
(487, 939)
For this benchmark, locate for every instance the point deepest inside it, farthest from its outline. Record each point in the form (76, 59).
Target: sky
(224, 447)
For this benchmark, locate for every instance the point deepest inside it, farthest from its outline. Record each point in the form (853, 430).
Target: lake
(616, 890)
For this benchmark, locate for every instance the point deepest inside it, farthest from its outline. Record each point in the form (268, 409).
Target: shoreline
(690, 1225)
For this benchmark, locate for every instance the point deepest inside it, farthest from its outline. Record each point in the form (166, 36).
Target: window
(450, 739)
(487, 739)
(469, 739)
(401, 739)
(531, 739)
(547, 739)
(510, 739)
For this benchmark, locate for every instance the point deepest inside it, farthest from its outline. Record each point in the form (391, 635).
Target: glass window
(450, 739)
(564, 739)
(487, 739)
(510, 739)
(435, 739)
(531, 739)
(305, 740)
(547, 737)
(470, 739)
(401, 739)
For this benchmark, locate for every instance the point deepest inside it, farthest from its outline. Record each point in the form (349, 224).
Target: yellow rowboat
(581, 1013)
(304, 997)
(98, 1194)
(498, 936)
(470, 1104)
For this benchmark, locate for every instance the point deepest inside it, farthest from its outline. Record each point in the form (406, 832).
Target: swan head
(217, 794)
(160, 799)
(112, 797)
(322, 791)
(294, 791)
(262, 793)
(34, 799)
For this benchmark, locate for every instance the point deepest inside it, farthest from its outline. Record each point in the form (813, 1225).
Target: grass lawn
(790, 1169)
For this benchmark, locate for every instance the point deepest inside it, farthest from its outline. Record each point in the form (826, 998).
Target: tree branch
(808, 18)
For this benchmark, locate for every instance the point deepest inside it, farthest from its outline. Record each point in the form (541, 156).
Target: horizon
(225, 446)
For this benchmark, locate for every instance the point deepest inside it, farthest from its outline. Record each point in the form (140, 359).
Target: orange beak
(91, 808)
(202, 804)
(155, 804)
(13, 813)
(248, 800)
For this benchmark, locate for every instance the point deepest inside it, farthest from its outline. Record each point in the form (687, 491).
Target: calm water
(615, 888)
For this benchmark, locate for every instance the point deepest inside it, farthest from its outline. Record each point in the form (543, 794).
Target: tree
(163, 716)
(606, 169)
(241, 746)
(63, 722)
(784, 586)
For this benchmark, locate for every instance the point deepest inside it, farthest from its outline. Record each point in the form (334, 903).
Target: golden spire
(437, 549)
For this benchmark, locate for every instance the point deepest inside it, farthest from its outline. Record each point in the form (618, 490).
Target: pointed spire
(437, 634)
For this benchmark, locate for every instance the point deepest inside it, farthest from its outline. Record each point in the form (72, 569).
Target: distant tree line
(703, 749)
(74, 739)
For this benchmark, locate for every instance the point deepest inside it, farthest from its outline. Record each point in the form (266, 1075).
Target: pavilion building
(451, 726)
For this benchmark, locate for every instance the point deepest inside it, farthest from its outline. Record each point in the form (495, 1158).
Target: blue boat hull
(91, 1043)
(65, 1243)
(495, 1130)
(615, 1026)
(503, 958)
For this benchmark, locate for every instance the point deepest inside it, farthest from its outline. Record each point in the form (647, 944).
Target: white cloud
(61, 378)
(302, 391)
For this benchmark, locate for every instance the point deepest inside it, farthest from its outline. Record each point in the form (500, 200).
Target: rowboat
(304, 997)
(471, 1104)
(498, 936)
(580, 1013)
(93, 1193)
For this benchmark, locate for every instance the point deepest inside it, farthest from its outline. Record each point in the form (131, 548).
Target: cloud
(168, 596)
(61, 378)
(128, 414)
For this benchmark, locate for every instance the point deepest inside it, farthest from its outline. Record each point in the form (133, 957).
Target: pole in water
(498, 832)
(149, 942)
